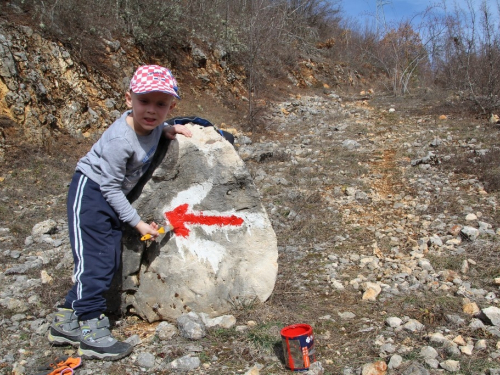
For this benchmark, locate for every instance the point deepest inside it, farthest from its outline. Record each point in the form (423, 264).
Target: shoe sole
(59, 340)
(91, 354)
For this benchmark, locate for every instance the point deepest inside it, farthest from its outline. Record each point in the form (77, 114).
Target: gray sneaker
(65, 328)
(97, 342)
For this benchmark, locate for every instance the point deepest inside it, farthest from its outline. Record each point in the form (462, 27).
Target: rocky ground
(390, 255)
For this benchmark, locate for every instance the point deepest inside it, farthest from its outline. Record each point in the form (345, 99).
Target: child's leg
(95, 236)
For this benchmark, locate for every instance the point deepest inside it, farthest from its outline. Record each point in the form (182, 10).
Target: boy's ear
(172, 106)
(128, 98)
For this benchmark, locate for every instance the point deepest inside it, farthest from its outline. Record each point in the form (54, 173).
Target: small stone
(467, 349)
(428, 352)
(493, 314)
(191, 326)
(413, 325)
(465, 267)
(432, 363)
(18, 369)
(45, 227)
(315, 368)
(455, 230)
(450, 365)
(416, 369)
(372, 290)
(481, 344)
(133, 340)
(387, 348)
(186, 363)
(165, 331)
(459, 340)
(337, 285)
(395, 361)
(470, 217)
(393, 322)
(46, 278)
(476, 324)
(437, 337)
(347, 315)
(455, 319)
(146, 360)
(454, 241)
(255, 370)
(471, 308)
(469, 233)
(376, 368)
(224, 321)
(451, 348)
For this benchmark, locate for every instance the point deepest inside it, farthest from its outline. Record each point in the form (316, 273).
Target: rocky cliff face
(42, 89)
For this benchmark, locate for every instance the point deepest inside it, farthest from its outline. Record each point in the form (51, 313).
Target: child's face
(148, 110)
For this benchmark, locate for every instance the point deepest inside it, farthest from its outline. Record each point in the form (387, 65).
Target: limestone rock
(376, 368)
(471, 308)
(165, 331)
(450, 365)
(184, 364)
(221, 251)
(191, 326)
(224, 321)
(416, 369)
(372, 290)
(45, 227)
(492, 314)
(469, 233)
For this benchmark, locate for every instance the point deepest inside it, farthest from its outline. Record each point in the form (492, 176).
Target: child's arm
(113, 163)
(172, 130)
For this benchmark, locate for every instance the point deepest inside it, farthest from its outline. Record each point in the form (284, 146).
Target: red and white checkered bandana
(149, 78)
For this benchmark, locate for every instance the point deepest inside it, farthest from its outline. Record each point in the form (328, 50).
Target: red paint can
(298, 346)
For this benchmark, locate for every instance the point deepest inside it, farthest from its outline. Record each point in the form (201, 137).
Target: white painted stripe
(78, 233)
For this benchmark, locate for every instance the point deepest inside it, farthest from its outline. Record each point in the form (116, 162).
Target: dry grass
(35, 181)
(485, 167)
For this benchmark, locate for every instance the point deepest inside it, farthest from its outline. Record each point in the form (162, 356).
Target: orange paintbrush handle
(148, 236)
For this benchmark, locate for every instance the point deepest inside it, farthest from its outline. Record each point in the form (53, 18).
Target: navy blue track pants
(95, 234)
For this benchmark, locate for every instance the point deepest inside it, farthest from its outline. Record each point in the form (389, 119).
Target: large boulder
(220, 251)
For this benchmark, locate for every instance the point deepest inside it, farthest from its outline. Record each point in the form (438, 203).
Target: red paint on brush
(178, 217)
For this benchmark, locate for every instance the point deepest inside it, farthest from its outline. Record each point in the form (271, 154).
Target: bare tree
(401, 49)
(472, 55)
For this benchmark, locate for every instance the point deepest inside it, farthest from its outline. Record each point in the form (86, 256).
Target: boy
(97, 205)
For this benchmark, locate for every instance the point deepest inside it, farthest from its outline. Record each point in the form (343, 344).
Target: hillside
(385, 211)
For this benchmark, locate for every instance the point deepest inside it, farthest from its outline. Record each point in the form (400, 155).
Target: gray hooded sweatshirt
(117, 161)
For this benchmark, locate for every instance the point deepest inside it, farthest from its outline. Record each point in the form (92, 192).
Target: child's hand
(171, 131)
(151, 229)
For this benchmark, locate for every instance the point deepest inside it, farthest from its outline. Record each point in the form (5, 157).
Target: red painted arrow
(179, 217)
